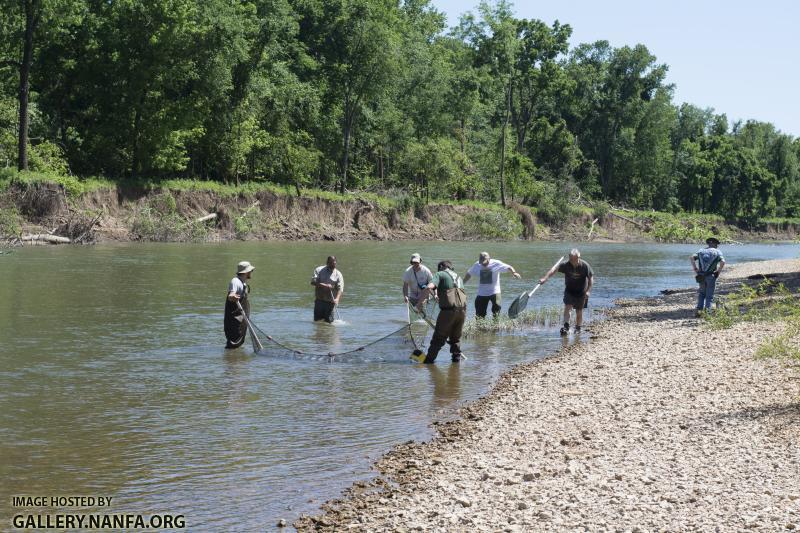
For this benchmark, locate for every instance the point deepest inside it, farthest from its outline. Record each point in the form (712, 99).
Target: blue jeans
(705, 292)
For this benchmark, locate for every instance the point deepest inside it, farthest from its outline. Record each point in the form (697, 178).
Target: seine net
(395, 346)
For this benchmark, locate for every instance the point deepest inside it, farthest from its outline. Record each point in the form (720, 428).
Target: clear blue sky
(741, 58)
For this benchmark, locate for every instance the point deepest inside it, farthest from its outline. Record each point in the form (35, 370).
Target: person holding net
(328, 285)
(452, 313)
(415, 279)
(236, 304)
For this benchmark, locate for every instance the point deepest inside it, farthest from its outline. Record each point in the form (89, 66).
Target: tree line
(374, 95)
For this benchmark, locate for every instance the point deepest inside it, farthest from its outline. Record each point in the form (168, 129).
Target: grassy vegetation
(529, 318)
(765, 302)
(10, 225)
(73, 186)
(680, 227)
(158, 220)
(493, 224)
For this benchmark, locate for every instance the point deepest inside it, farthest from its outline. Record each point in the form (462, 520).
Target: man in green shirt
(452, 312)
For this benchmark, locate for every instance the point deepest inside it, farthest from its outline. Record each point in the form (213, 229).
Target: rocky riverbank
(650, 421)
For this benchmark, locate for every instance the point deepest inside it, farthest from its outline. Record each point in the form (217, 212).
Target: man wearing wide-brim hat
(707, 265)
(238, 291)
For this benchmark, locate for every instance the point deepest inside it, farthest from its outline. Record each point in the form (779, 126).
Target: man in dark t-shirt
(578, 280)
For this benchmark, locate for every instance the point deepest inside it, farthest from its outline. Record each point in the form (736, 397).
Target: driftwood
(626, 219)
(589, 237)
(44, 237)
(88, 229)
(207, 217)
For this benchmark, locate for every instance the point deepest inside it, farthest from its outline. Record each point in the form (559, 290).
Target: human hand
(233, 297)
(516, 275)
(405, 299)
(542, 280)
(716, 274)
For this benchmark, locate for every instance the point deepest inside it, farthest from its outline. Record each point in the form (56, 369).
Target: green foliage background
(377, 97)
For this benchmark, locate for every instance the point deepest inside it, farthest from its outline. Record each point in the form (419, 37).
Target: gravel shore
(649, 421)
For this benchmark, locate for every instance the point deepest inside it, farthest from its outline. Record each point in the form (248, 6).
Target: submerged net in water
(395, 346)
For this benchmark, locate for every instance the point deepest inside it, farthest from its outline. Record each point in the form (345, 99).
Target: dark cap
(712, 240)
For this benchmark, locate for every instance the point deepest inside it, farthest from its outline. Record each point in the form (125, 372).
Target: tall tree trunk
(135, 161)
(380, 166)
(345, 157)
(31, 20)
(503, 147)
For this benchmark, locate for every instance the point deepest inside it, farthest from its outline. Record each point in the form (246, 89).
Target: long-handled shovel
(521, 301)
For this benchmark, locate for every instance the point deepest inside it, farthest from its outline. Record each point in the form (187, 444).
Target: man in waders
(452, 313)
(578, 280)
(329, 287)
(707, 265)
(238, 291)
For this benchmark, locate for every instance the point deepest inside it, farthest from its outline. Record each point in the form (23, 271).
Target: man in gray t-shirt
(415, 279)
(329, 287)
(578, 281)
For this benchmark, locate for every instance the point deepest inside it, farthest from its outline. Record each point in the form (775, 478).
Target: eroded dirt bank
(656, 423)
(131, 214)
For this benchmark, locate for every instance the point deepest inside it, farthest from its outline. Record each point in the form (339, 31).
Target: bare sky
(741, 58)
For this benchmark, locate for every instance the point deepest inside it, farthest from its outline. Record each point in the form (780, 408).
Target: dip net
(395, 346)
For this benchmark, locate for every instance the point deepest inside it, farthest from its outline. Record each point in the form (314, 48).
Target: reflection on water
(115, 381)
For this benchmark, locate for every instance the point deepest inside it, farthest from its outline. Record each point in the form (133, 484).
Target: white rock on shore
(656, 424)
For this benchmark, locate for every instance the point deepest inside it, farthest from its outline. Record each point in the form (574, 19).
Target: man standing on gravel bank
(707, 265)
(578, 279)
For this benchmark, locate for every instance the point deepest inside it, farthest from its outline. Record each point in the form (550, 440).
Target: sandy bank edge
(657, 423)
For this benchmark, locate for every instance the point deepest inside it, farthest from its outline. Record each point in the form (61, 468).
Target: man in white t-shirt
(488, 271)
(415, 279)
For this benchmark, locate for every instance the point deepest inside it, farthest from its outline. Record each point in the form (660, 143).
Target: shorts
(578, 301)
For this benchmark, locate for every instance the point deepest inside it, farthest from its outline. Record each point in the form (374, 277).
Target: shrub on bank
(766, 301)
(492, 225)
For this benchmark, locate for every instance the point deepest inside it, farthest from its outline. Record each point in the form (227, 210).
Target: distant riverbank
(651, 420)
(192, 211)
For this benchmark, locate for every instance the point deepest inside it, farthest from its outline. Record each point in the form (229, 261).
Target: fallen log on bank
(44, 237)
(626, 219)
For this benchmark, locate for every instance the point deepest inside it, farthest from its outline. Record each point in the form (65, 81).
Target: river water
(115, 382)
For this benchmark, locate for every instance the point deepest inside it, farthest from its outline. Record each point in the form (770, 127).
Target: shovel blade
(518, 305)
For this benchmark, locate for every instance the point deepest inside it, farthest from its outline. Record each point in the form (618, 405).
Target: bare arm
(514, 272)
(467, 276)
(549, 273)
(424, 295)
(694, 266)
